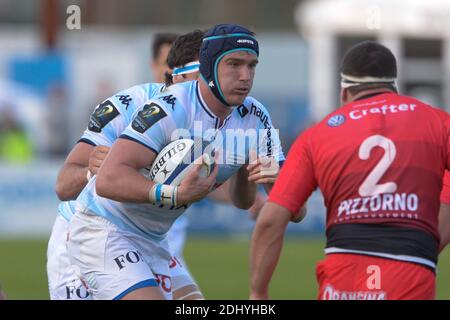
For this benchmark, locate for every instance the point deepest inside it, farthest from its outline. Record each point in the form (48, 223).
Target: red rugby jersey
(377, 160)
(445, 193)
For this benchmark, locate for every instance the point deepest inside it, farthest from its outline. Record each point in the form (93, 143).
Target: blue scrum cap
(218, 41)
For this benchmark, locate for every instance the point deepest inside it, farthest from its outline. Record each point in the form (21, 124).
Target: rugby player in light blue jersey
(117, 238)
(106, 124)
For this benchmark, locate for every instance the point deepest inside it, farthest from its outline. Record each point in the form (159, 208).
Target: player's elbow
(62, 192)
(63, 189)
(243, 200)
(273, 217)
(300, 215)
(243, 204)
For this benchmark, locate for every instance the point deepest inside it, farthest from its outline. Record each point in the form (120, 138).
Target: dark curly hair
(184, 49)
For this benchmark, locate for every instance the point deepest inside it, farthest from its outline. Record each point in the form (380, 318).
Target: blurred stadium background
(52, 74)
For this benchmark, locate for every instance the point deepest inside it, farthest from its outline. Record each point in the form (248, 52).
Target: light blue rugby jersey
(108, 120)
(153, 126)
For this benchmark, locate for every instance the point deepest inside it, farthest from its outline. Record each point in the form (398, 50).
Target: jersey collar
(209, 112)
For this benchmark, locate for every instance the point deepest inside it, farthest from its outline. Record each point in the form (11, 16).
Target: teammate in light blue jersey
(117, 238)
(106, 124)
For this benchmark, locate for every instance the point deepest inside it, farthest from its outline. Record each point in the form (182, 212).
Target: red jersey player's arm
(444, 212)
(293, 186)
(265, 249)
(444, 225)
(296, 180)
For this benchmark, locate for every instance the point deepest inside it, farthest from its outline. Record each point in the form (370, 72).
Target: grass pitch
(219, 264)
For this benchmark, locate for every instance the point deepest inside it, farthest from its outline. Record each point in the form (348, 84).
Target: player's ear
(344, 96)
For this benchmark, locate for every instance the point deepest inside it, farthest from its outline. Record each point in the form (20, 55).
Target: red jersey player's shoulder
(383, 104)
(421, 104)
(319, 131)
(310, 141)
(333, 120)
(306, 135)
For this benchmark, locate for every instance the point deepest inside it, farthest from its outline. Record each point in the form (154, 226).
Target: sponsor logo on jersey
(125, 99)
(261, 115)
(264, 118)
(147, 117)
(246, 41)
(165, 282)
(130, 257)
(170, 99)
(384, 110)
(243, 111)
(386, 205)
(102, 115)
(330, 293)
(78, 292)
(336, 121)
(175, 262)
(151, 111)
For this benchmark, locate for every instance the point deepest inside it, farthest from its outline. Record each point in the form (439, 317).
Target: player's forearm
(222, 193)
(123, 184)
(444, 225)
(242, 191)
(72, 178)
(266, 245)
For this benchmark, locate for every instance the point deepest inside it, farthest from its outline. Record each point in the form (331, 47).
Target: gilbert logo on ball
(177, 158)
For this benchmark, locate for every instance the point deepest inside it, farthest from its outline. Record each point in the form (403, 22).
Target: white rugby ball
(177, 158)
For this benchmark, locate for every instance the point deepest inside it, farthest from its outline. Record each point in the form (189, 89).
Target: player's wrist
(163, 194)
(181, 195)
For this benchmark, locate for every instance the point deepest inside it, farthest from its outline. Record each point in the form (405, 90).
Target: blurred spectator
(28, 110)
(57, 121)
(15, 147)
(160, 49)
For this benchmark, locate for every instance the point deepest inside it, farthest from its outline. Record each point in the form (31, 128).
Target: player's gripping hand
(194, 187)
(96, 158)
(263, 169)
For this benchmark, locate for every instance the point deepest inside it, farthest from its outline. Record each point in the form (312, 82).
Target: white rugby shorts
(63, 283)
(112, 262)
